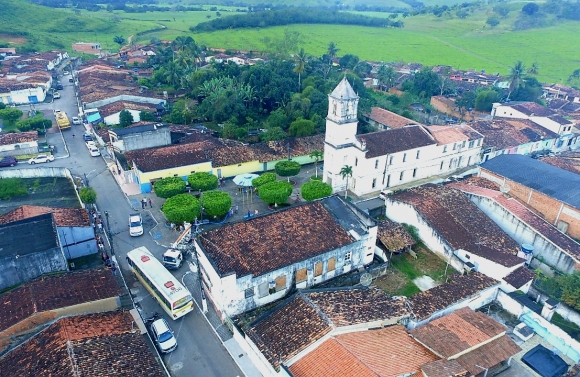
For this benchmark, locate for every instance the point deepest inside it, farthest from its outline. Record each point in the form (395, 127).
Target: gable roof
(488, 355)
(343, 90)
(160, 158)
(461, 223)
(426, 303)
(393, 235)
(519, 277)
(457, 332)
(62, 216)
(397, 140)
(503, 133)
(9, 138)
(453, 134)
(90, 345)
(387, 352)
(37, 233)
(538, 175)
(279, 239)
(532, 109)
(566, 160)
(443, 368)
(53, 292)
(389, 119)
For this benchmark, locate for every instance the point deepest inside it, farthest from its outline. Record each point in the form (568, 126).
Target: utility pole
(109, 234)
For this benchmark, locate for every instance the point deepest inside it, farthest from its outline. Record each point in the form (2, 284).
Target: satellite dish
(504, 188)
(366, 279)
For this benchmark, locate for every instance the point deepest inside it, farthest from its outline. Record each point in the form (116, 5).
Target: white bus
(173, 297)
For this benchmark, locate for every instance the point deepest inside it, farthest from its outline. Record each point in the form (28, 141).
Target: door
(219, 171)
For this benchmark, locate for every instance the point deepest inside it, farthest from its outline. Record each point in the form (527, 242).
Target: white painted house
(392, 157)
(251, 263)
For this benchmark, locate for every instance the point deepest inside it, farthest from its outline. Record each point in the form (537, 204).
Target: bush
(202, 181)
(263, 179)
(88, 195)
(12, 187)
(168, 187)
(315, 190)
(275, 192)
(216, 203)
(287, 168)
(37, 122)
(181, 208)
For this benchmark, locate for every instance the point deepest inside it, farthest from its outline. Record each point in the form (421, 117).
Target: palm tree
(317, 156)
(300, 59)
(332, 51)
(516, 77)
(346, 173)
(534, 69)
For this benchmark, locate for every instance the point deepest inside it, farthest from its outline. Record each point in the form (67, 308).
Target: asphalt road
(199, 351)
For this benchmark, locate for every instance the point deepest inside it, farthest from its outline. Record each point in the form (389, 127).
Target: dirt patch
(424, 282)
(13, 39)
(392, 282)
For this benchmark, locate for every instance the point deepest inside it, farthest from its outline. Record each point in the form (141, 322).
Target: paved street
(200, 352)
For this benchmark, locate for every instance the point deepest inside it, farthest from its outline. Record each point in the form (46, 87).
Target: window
(249, 292)
(418, 153)
(317, 269)
(471, 143)
(281, 283)
(401, 176)
(404, 157)
(391, 160)
(355, 161)
(347, 257)
(376, 164)
(263, 290)
(445, 149)
(301, 275)
(414, 172)
(478, 142)
(463, 144)
(374, 182)
(454, 146)
(331, 264)
(441, 166)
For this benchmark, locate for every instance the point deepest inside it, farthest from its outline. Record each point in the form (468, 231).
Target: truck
(173, 259)
(62, 119)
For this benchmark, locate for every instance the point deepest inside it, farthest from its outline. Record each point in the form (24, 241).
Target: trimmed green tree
(168, 187)
(216, 203)
(287, 168)
(125, 118)
(203, 181)
(263, 179)
(181, 208)
(275, 192)
(10, 115)
(315, 190)
(88, 195)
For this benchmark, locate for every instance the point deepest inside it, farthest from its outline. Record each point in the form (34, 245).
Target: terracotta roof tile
(519, 277)
(160, 158)
(533, 109)
(569, 161)
(279, 239)
(96, 345)
(426, 303)
(444, 368)
(357, 305)
(394, 236)
(504, 133)
(62, 216)
(461, 223)
(117, 106)
(397, 140)
(56, 292)
(457, 332)
(447, 134)
(389, 119)
(288, 330)
(330, 359)
(9, 138)
(489, 355)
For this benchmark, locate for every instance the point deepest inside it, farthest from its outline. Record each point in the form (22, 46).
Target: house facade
(18, 143)
(393, 157)
(249, 264)
(139, 137)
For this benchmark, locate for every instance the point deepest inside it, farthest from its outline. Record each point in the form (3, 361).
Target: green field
(463, 43)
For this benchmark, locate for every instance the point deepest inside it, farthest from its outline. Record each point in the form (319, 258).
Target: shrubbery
(315, 190)
(181, 208)
(287, 168)
(263, 179)
(202, 181)
(168, 187)
(216, 203)
(275, 192)
(12, 187)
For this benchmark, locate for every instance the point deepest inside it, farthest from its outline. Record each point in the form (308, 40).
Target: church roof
(343, 90)
(396, 140)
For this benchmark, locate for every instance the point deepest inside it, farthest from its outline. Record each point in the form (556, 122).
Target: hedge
(216, 203)
(315, 190)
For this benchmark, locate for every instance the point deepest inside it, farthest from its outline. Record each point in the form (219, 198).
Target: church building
(386, 159)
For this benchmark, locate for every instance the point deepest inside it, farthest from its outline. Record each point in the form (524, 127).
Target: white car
(163, 336)
(135, 225)
(41, 158)
(56, 95)
(65, 73)
(94, 151)
(76, 120)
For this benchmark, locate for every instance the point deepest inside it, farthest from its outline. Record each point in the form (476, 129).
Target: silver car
(41, 158)
(163, 336)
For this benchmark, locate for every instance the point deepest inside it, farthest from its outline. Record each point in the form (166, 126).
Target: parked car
(41, 158)
(76, 120)
(56, 95)
(163, 336)
(87, 137)
(135, 225)
(59, 87)
(65, 73)
(8, 161)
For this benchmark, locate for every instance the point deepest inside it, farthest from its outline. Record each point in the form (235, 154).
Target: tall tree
(346, 173)
(317, 156)
(300, 60)
(387, 76)
(516, 77)
(332, 51)
(534, 69)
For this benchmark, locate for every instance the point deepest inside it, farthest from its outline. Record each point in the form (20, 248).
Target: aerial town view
(300, 188)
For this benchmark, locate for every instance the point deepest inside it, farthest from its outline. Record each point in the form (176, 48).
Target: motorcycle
(148, 321)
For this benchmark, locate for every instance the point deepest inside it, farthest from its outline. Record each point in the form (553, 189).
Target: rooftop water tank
(527, 248)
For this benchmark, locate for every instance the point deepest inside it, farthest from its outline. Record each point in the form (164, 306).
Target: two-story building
(248, 264)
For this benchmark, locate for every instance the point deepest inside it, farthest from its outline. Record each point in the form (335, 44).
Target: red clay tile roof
(503, 133)
(488, 355)
(389, 352)
(287, 331)
(91, 345)
(389, 119)
(330, 359)
(461, 224)
(447, 134)
(357, 305)
(397, 140)
(267, 243)
(160, 158)
(444, 368)
(117, 106)
(560, 119)
(457, 332)
(62, 216)
(394, 236)
(519, 277)
(9, 138)
(56, 292)
(533, 109)
(426, 303)
(569, 161)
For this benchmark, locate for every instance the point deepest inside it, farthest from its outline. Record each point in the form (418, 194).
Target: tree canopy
(168, 187)
(275, 192)
(181, 208)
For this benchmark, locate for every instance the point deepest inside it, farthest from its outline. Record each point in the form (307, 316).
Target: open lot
(44, 191)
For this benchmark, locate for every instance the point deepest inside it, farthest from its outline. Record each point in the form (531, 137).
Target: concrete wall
(144, 178)
(77, 241)
(564, 310)
(38, 171)
(123, 97)
(18, 269)
(150, 139)
(522, 233)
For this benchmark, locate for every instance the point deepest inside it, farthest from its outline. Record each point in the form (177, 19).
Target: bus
(173, 297)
